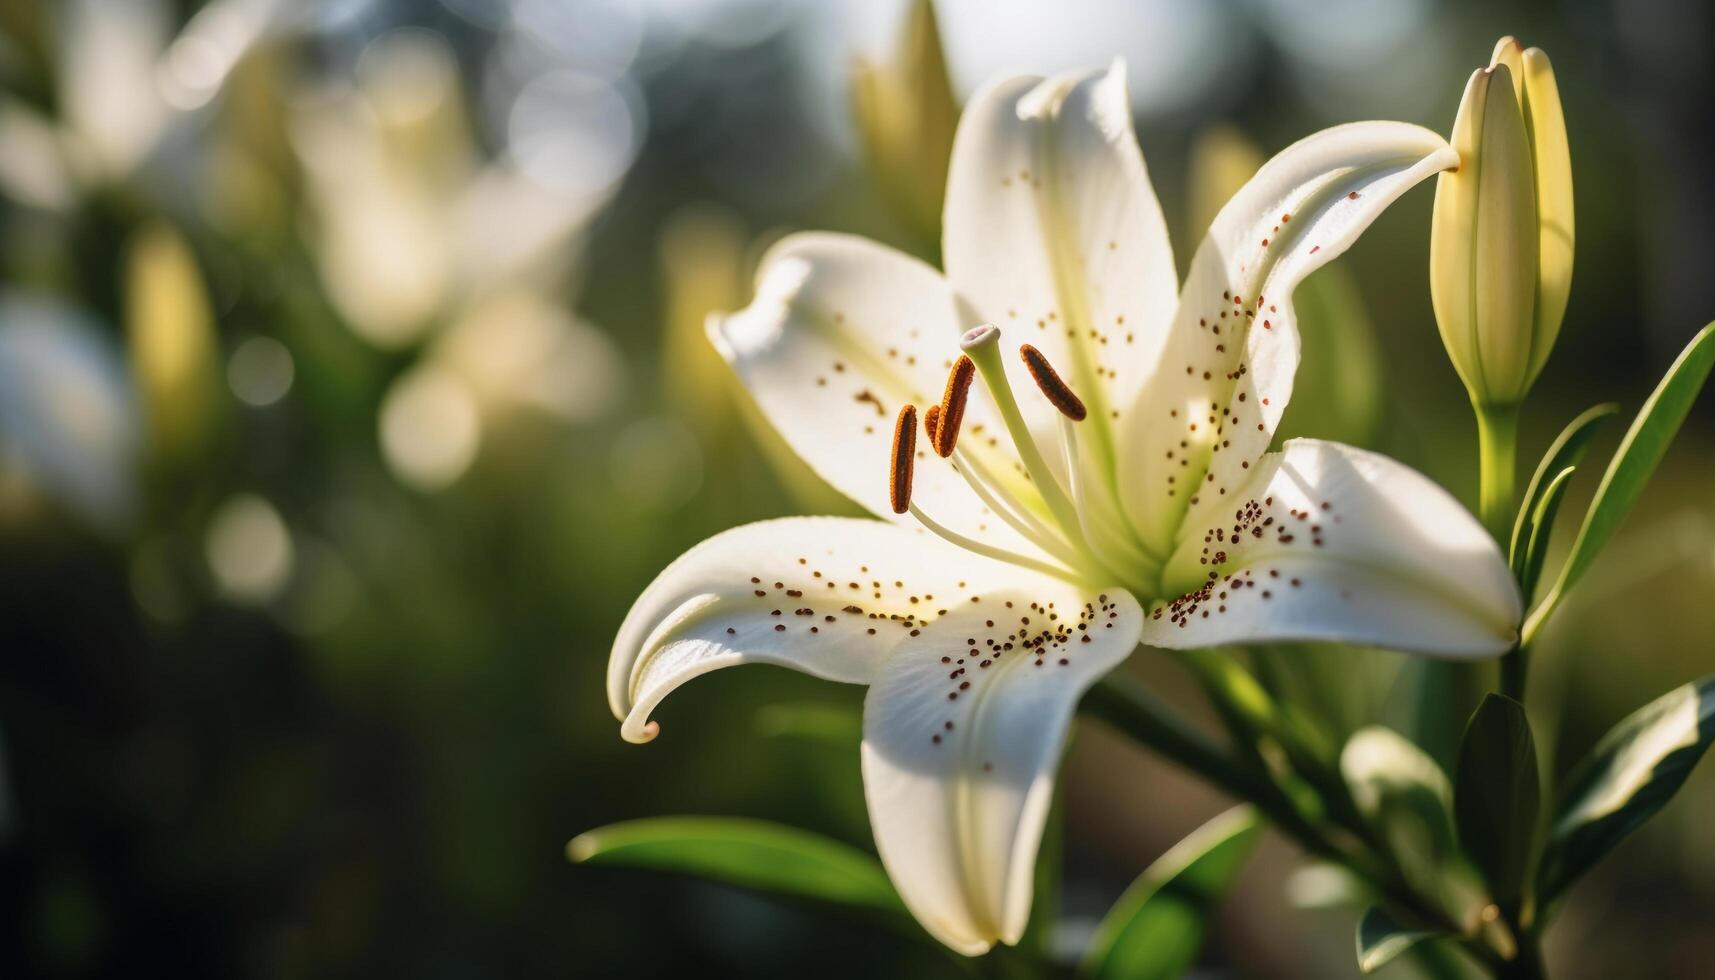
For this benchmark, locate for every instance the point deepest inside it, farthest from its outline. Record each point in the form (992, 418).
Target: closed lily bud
(1500, 259)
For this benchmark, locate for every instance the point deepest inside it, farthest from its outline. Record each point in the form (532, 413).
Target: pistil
(982, 344)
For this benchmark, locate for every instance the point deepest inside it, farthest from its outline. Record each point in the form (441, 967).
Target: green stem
(1127, 707)
(1497, 453)
(1526, 964)
(1123, 704)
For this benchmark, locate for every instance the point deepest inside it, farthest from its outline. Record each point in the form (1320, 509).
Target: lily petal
(1330, 542)
(963, 730)
(830, 596)
(841, 333)
(1053, 232)
(1225, 375)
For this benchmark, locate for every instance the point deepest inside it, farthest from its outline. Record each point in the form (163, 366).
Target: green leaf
(1565, 451)
(1325, 885)
(838, 724)
(1157, 926)
(748, 853)
(1633, 464)
(1381, 939)
(1497, 793)
(1529, 569)
(1401, 792)
(1630, 774)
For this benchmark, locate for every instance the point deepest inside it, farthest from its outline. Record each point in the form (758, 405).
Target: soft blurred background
(352, 383)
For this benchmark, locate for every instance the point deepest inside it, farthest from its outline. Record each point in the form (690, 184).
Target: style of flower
(1108, 485)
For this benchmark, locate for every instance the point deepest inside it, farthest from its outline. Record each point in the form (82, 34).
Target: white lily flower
(1046, 548)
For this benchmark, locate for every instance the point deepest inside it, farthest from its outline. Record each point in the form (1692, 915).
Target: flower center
(1056, 525)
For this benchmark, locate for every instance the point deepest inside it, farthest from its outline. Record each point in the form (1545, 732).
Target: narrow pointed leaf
(1630, 774)
(1541, 528)
(748, 853)
(1381, 939)
(1157, 926)
(1496, 794)
(1566, 450)
(1633, 464)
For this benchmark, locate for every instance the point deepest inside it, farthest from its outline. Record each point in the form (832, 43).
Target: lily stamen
(952, 413)
(999, 554)
(981, 344)
(904, 451)
(1053, 389)
(1009, 509)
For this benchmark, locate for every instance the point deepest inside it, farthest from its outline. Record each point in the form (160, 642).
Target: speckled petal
(1329, 542)
(830, 596)
(842, 333)
(963, 731)
(1054, 234)
(1216, 396)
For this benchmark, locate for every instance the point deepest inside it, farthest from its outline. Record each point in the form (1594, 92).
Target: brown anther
(904, 451)
(932, 421)
(952, 413)
(1053, 389)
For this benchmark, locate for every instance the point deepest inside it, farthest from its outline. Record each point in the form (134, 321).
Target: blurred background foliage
(353, 383)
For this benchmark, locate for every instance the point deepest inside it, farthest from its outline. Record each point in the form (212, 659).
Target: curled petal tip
(640, 734)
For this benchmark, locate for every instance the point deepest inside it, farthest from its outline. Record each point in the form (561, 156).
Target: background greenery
(287, 689)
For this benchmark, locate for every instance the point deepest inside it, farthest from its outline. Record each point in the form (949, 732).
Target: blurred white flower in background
(422, 238)
(430, 427)
(249, 549)
(127, 87)
(514, 350)
(410, 222)
(69, 434)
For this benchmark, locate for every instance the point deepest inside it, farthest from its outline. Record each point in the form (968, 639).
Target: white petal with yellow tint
(1053, 233)
(963, 731)
(1225, 375)
(1336, 543)
(842, 333)
(830, 596)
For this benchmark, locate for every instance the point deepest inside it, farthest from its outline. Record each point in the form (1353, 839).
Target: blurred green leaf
(1633, 464)
(1341, 375)
(748, 853)
(1631, 773)
(1324, 885)
(1381, 939)
(906, 115)
(1405, 796)
(1564, 452)
(1497, 793)
(1157, 926)
(838, 724)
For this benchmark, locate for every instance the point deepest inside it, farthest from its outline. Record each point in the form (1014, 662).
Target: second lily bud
(1500, 259)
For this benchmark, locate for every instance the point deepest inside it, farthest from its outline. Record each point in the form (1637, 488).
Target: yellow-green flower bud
(1500, 258)
(906, 114)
